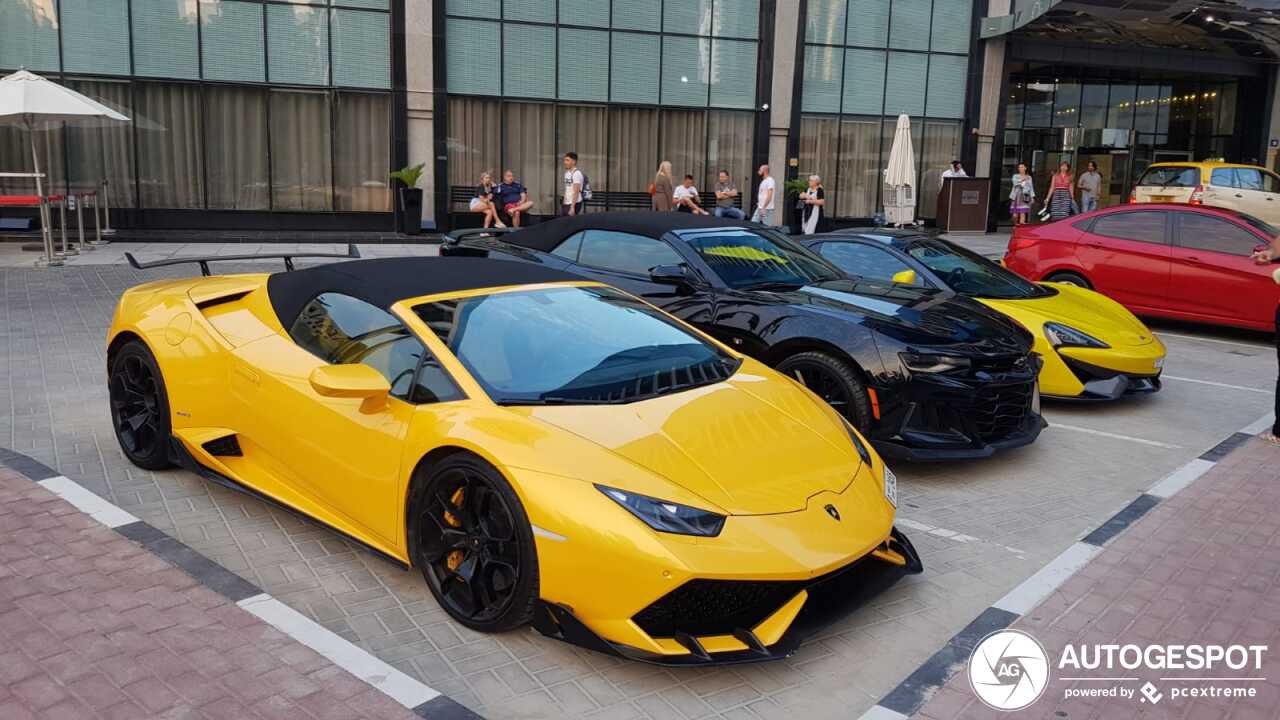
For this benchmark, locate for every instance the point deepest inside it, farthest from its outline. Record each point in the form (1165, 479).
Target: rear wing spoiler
(457, 236)
(352, 253)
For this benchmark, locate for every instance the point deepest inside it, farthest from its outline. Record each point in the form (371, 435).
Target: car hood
(915, 317)
(1084, 310)
(756, 444)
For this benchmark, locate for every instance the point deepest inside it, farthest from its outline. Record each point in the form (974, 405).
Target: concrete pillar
(419, 75)
(993, 59)
(786, 33)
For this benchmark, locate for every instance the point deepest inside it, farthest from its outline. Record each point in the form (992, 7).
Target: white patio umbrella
(900, 176)
(30, 101)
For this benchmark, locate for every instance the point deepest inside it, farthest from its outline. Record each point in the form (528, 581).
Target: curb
(912, 693)
(413, 695)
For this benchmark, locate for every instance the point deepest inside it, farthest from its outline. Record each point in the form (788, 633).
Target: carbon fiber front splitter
(831, 597)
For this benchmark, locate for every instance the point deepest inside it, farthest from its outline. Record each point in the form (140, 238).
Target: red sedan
(1176, 261)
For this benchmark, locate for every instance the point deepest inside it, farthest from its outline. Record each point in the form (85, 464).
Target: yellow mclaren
(1093, 348)
(544, 449)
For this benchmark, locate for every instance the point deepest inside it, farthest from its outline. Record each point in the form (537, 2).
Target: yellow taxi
(1245, 188)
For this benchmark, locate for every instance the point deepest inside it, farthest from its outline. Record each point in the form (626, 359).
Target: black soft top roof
(546, 236)
(386, 281)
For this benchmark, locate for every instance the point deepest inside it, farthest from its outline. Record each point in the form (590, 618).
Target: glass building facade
(866, 62)
(624, 84)
(235, 104)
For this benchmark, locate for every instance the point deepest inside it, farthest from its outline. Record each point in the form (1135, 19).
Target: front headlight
(919, 362)
(666, 516)
(863, 452)
(1060, 335)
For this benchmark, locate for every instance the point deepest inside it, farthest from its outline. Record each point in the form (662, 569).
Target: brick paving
(1202, 567)
(96, 626)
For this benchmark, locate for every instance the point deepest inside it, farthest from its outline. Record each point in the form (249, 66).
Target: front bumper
(935, 418)
(811, 605)
(1119, 377)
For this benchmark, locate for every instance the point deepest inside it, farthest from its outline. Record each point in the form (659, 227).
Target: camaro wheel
(834, 381)
(139, 406)
(469, 534)
(1070, 278)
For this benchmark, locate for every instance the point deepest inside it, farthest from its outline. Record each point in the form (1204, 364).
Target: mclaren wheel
(833, 380)
(139, 406)
(469, 534)
(1070, 278)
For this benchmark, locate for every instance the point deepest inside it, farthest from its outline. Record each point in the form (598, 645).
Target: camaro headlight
(666, 516)
(1060, 335)
(919, 362)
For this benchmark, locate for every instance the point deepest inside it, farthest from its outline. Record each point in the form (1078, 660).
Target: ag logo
(1008, 670)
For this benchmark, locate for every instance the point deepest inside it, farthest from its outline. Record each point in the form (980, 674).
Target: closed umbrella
(900, 176)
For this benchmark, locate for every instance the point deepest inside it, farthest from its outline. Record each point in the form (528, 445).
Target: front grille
(998, 412)
(1002, 364)
(715, 607)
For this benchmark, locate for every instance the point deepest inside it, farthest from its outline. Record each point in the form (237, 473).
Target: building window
(165, 39)
(95, 36)
(235, 121)
(866, 62)
(301, 164)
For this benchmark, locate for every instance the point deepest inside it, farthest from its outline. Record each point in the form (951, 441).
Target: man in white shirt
(572, 203)
(685, 197)
(956, 171)
(764, 198)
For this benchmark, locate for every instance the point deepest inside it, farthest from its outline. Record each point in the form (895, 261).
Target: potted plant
(409, 213)
(791, 190)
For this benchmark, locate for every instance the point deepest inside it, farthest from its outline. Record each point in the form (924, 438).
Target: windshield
(1181, 177)
(573, 345)
(971, 274)
(746, 259)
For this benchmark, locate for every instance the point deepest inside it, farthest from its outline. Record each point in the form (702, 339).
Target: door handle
(1239, 195)
(1193, 260)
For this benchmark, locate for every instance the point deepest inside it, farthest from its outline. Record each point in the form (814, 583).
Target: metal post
(97, 222)
(62, 220)
(49, 259)
(79, 200)
(106, 209)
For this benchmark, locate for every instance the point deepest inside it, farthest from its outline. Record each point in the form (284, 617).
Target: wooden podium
(963, 204)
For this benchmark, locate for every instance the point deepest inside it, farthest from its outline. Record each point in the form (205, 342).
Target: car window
(568, 248)
(1248, 179)
(1270, 183)
(1140, 226)
(968, 273)
(1174, 176)
(572, 346)
(747, 259)
(340, 330)
(865, 261)
(625, 252)
(1204, 232)
(1223, 177)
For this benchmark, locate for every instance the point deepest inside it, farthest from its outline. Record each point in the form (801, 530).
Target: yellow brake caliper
(455, 557)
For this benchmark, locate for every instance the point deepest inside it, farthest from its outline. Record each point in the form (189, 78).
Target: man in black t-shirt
(1263, 257)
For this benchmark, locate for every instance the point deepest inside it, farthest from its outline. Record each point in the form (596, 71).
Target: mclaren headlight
(666, 516)
(929, 363)
(861, 446)
(1060, 335)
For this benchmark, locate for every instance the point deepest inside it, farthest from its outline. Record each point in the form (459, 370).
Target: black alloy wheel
(474, 544)
(139, 406)
(833, 380)
(1069, 278)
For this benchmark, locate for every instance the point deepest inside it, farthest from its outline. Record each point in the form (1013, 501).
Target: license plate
(1035, 399)
(890, 486)
(1161, 198)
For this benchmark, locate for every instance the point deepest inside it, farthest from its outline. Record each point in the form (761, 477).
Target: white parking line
(952, 534)
(1213, 340)
(1216, 384)
(1117, 436)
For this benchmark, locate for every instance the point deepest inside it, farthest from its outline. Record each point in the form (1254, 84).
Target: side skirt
(183, 457)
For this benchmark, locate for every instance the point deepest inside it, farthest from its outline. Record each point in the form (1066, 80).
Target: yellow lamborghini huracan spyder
(1093, 348)
(544, 449)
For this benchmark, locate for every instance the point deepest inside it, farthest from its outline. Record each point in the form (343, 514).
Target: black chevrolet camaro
(925, 374)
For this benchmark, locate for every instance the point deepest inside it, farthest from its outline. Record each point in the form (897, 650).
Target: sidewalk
(1202, 567)
(92, 625)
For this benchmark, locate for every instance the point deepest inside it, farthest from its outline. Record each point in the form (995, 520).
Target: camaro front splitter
(831, 597)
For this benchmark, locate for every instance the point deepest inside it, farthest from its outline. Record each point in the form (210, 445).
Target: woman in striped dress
(1060, 193)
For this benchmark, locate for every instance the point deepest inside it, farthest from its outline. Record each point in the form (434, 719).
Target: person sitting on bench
(513, 198)
(686, 197)
(483, 201)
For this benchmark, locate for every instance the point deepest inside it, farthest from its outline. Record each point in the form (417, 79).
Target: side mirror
(352, 381)
(670, 275)
(905, 277)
